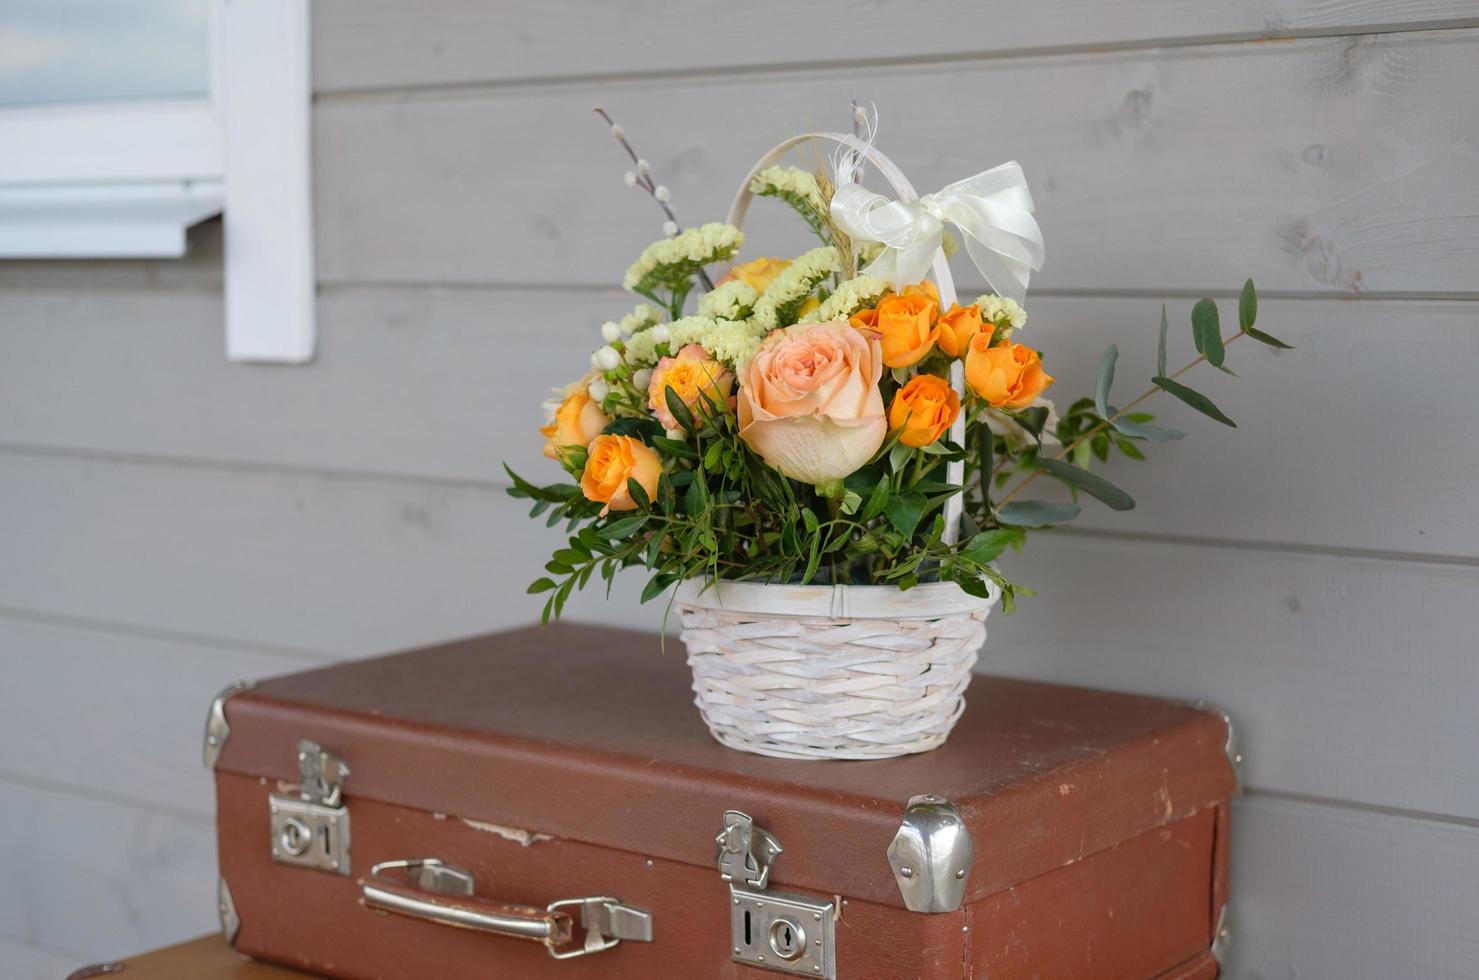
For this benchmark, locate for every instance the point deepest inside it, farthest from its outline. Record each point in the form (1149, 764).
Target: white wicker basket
(836, 672)
(831, 672)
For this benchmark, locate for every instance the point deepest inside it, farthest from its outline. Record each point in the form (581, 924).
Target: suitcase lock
(310, 829)
(793, 934)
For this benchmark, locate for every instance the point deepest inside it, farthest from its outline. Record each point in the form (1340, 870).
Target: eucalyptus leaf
(1160, 357)
(1247, 307)
(1154, 433)
(1206, 330)
(1090, 483)
(1106, 379)
(1195, 399)
(1036, 513)
(1268, 339)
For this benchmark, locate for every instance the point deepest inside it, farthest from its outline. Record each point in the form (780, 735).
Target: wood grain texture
(103, 879)
(375, 44)
(57, 674)
(1320, 891)
(436, 383)
(1337, 695)
(1160, 170)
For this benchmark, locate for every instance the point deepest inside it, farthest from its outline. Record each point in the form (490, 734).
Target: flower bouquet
(823, 457)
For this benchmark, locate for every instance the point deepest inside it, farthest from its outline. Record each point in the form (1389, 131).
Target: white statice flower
(995, 309)
(732, 301)
(689, 330)
(782, 300)
(733, 341)
(670, 260)
(797, 188)
(850, 297)
(640, 318)
(641, 348)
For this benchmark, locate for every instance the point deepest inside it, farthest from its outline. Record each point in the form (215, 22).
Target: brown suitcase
(553, 793)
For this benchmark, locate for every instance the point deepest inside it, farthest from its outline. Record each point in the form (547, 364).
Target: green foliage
(1206, 330)
(1195, 399)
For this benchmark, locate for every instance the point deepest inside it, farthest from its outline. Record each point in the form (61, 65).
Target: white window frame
(126, 179)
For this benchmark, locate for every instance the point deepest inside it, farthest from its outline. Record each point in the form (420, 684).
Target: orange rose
(577, 421)
(907, 328)
(924, 408)
(611, 462)
(809, 403)
(691, 374)
(865, 320)
(957, 326)
(923, 288)
(757, 274)
(1006, 376)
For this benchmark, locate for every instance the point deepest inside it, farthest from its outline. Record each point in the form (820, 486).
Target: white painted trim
(128, 141)
(94, 221)
(265, 97)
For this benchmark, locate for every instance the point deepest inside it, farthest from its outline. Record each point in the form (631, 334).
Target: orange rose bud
(611, 461)
(865, 320)
(922, 288)
(925, 408)
(957, 326)
(907, 328)
(578, 421)
(757, 273)
(1006, 376)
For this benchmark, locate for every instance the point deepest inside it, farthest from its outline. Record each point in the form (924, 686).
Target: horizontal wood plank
(22, 962)
(386, 43)
(1320, 891)
(1338, 695)
(103, 879)
(1161, 170)
(447, 384)
(57, 673)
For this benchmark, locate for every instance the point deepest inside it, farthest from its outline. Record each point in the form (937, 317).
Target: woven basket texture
(829, 687)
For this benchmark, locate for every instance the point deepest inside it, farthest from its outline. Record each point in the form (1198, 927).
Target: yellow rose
(906, 327)
(957, 326)
(1006, 376)
(692, 374)
(577, 421)
(925, 408)
(612, 461)
(757, 274)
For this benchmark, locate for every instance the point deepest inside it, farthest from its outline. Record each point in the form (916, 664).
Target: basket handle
(944, 281)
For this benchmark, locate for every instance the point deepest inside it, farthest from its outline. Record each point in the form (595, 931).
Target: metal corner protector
(226, 908)
(217, 730)
(1231, 747)
(931, 855)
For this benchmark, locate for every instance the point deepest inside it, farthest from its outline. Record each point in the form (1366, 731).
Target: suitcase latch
(310, 829)
(794, 934)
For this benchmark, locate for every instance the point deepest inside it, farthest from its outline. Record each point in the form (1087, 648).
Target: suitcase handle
(435, 891)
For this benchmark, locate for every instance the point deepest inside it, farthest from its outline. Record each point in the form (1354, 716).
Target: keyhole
(787, 940)
(748, 939)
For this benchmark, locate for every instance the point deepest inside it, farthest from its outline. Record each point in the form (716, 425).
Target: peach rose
(924, 408)
(957, 326)
(577, 421)
(692, 374)
(757, 274)
(610, 462)
(809, 402)
(1006, 376)
(906, 325)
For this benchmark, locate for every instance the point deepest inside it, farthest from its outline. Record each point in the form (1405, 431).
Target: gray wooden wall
(172, 521)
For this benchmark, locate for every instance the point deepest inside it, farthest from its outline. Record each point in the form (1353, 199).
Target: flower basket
(831, 672)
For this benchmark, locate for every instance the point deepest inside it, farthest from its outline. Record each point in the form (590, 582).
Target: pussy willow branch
(644, 181)
(1096, 429)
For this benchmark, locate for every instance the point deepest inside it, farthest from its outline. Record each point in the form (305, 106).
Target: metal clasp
(794, 934)
(311, 829)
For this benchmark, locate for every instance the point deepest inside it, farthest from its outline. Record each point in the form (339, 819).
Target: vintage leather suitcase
(548, 804)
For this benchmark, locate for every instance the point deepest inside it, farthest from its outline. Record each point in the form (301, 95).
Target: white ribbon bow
(993, 211)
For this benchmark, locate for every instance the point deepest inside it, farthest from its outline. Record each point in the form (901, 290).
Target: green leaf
(851, 501)
(904, 512)
(972, 585)
(674, 447)
(1195, 399)
(1036, 513)
(876, 500)
(1206, 330)
(540, 585)
(711, 458)
(1106, 379)
(623, 527)
(987, 545)
(1268, 339)
(813, 560)
(809, 518)
(656, 585)
(680, 411)
(1032, 419)
(1247, 307)
(899, 456)
(1090, 483)
(1154, 433)
(639, 495)
(1160, 357)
